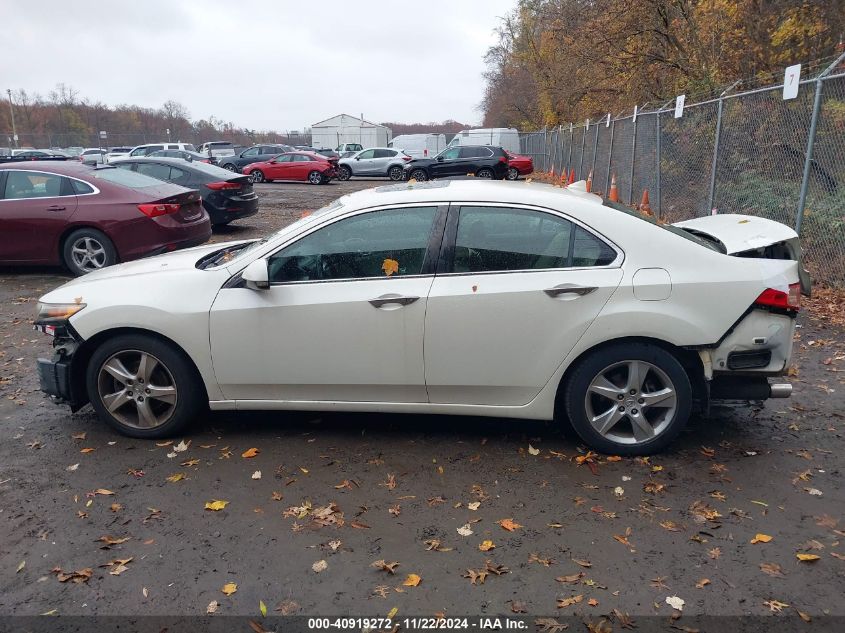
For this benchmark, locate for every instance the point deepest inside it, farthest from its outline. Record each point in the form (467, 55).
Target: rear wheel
(315, 177)
(628, 399)
(395, 173)
(344, 173)
(513, 173)
(230, 167)
(257, 175)
(419, 175)
(87, 250)
(485, 173)
(143, 387)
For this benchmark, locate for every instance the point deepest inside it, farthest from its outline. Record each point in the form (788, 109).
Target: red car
(306, 166)
(519, 165)
(87, 218)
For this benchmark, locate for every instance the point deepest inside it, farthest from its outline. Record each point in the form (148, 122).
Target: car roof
(170, 160)
(63, 167)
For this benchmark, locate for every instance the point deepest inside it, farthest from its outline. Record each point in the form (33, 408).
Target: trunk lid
(750, 236)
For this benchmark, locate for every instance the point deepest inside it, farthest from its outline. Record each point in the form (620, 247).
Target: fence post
(633, 158)
(711, 192)
(610, 155)
(657, 166)
(595, 148)
(545, 147)
(581, 159)
(569, 158)
(811, 140)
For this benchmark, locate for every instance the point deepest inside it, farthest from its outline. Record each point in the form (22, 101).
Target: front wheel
(142, 387)
(257, 176)
(395, 173)
(419, 175)
(230, 167)
(628, 399)
(87, 250)
(513, 173)
(344, 173)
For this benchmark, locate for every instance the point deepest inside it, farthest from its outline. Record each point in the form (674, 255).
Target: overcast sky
(261, 64)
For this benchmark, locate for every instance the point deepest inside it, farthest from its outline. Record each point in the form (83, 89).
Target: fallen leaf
(190, 462)
(256, 474)
(216, 505)
(390, 266)
(78, 436)
(465, 530)
(79, 576)
(532, 450)
(807, 558)
(571, 579)
(701, 584)
(562, 603)
(88, 450)
(434, 545)
(486, 546)
(804, 616)
(509, 524)
(593, 602)
(761, 538)
(103, 491)
(262, 607)
(775, 606)
(111, 540)
(549, 625)
(518, 606)
(474, 505)
(176, 477)
(212, 607)
(582, 563)
(181, 447)
(145, 592)
(229, 588)
(675, 602)
(411, 581)
(250, 453)
(21, 566)
(287, 607)
(772, 569)
(72, 467)
(385, 566)
(115, 507)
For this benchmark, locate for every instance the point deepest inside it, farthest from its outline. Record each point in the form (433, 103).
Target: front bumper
(54, 376)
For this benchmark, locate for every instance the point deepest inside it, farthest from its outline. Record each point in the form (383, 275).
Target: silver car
(374, 161)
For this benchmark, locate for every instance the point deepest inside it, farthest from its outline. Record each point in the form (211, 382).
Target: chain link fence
(746, 152)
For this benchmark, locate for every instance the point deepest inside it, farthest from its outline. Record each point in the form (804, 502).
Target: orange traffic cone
(613, 196)
(590, 181)
(644, 205)
(571, 176)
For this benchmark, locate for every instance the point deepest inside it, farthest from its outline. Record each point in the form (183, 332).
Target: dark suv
(254, 154)
(481, 161)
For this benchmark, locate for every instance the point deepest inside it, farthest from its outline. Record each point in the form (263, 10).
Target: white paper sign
(588, 125)
(679, 106)
(607, 124)
(790, 81)
(634, 120)
(103, 134)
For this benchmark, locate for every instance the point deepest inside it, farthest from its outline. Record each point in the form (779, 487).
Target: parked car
(87, 218)
(307, 166)
(374, 161)
(481, 161)
(328, 153)
(255, 154)
(505, 137)
(117, 152)
(215, 150)
(225, 196)
(74, 150)
(181, 153)
(93, 156)
(348, 149)
(146, 150)
(519, 165)
(419, 145)
(534, 302)
(32, 154)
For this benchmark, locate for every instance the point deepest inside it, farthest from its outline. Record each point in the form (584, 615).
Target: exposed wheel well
(82, 356)
(688, 359)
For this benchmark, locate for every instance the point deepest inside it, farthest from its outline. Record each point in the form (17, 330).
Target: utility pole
(12, 110)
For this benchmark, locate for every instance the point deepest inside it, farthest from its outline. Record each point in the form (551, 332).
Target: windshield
(666, 227)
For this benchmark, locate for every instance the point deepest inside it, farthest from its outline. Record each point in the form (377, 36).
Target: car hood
(420, 162)
(739, 233)
(160, 264)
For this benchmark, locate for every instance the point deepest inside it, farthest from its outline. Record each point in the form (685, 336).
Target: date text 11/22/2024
(418, 624)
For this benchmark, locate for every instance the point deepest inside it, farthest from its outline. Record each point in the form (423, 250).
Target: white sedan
(463, 297)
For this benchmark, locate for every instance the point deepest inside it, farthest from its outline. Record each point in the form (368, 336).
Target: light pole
(12, 111)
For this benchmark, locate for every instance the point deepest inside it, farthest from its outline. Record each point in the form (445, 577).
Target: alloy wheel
(315, 178)
(137, 389)
(630, 402)
(513, 174)
(88, 254)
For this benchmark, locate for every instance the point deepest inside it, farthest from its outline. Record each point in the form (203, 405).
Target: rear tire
(419, 175)
(513, 173)
(395, 173)
(315, 177)
(485, 173)
(86, 250)
(152, 389)
(257, 175)
(628, 399)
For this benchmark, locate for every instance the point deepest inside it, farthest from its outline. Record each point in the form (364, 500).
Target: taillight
(772, 298)
(155, 210)
(223, 184)
(503, 159)
(407, 158)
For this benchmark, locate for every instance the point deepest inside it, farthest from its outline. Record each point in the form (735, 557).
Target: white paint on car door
(524, 288)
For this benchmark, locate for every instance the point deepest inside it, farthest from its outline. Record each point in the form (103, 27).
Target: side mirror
(439, 159)
(256, 276)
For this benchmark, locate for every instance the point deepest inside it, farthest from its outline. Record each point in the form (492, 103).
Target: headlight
(56, 313)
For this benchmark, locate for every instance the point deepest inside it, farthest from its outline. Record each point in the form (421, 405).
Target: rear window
(127, 178)
(219, 145)
(190, 147)
(666, 227)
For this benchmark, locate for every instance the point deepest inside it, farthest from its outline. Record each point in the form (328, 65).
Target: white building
(349, 129)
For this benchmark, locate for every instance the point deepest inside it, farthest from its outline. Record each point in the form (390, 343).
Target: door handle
(56, 207)
(570, 289)
(384, 300)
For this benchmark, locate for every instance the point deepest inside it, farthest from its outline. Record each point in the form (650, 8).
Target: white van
(149, 148)
(217, 149)
(419, 145)
(505, 137)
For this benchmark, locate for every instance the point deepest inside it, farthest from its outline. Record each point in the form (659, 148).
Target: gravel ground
(720, 521)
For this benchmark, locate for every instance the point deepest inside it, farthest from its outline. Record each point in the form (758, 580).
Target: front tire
(419, 175)
(257, 175)
(344, 173)
(142, 387)
(395, 173)
(87, 250)
(230, 167)
(628, 399)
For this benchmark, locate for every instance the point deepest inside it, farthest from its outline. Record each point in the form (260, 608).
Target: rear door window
(155, 170)
(23, 185)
